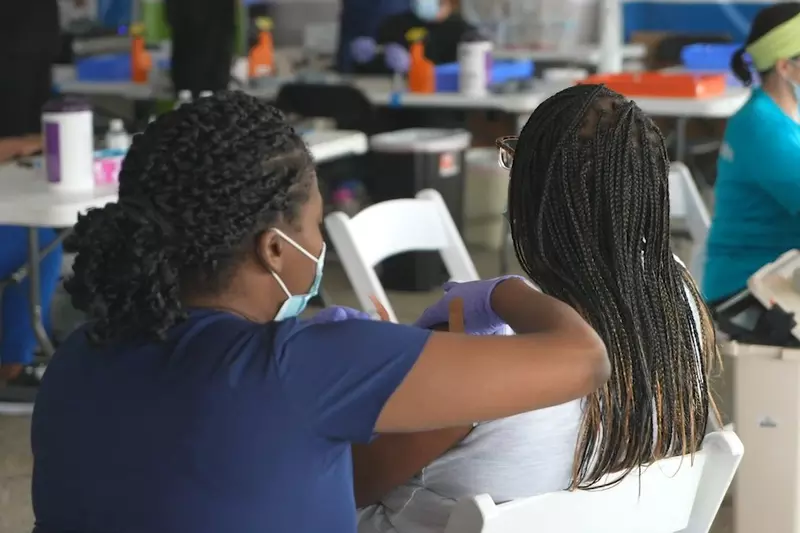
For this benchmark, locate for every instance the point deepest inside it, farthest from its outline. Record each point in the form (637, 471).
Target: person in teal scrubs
(757, 213)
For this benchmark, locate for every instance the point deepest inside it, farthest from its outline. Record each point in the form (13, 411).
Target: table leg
(37, 321)
(680, 139)
(21, 273)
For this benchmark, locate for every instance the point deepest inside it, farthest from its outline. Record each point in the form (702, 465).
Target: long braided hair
(589, 214)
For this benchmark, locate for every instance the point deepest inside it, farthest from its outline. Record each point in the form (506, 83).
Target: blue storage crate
(708, 56)
(502, 71)
(712, 58)
(109, 68)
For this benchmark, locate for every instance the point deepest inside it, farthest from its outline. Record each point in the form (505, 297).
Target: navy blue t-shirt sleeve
(339, 375)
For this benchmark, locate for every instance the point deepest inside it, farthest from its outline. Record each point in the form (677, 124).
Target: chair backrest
(686, 203)
(393, 227)
(682, 494)
(346, 104)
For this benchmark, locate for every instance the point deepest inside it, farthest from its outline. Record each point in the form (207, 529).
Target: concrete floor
(16, 515)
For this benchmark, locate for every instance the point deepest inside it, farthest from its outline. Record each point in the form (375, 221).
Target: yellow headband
(781, 42)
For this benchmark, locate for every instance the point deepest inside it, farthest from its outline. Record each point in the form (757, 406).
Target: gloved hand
(479, 317)
(363, 49)
(396, 57)
(337, 313)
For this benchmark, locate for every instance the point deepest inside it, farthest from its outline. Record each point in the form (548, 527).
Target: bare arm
(458, 379)
(392, 459)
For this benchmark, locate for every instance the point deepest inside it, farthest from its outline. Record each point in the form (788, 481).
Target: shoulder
(760, 114)
(758, 128)
(348, 335)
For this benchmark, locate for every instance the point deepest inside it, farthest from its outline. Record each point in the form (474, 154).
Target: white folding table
(379, 91)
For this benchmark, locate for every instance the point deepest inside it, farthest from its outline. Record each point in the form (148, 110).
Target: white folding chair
(393, 227)
(682, 494)
(686, 204)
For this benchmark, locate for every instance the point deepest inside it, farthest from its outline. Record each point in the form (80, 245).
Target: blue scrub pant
(17, 339)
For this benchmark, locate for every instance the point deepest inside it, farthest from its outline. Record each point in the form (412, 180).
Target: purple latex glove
(396, 57)
(337, 313)
(363, 49)
(479, 317)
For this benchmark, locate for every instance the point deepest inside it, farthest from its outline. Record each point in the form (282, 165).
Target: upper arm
(392, 459)
(460, 379)
(777, 167)
(339, 375)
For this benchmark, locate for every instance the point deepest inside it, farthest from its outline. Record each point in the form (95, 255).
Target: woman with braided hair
(589, 211)
(196, 401)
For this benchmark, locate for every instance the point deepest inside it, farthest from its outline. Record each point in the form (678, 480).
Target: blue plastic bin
(708, 56)
(108, 67)
(502, 71)
(714, 58)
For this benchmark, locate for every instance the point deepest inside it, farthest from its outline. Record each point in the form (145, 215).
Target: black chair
(348, 106)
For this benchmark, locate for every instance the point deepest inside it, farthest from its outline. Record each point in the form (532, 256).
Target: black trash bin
(403, 163)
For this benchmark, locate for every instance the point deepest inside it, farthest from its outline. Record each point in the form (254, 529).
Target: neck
(238, 299)
(783, 95)
(234, 306)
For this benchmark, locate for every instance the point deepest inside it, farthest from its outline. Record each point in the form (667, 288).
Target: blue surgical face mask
(296, 303)
(427, 10)
(794, 84)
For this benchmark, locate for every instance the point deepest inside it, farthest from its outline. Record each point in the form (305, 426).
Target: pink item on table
(106, 170)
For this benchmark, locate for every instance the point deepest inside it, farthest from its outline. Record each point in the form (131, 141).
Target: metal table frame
(31, 270)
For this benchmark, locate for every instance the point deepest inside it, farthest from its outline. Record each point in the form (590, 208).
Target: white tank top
(511, 458)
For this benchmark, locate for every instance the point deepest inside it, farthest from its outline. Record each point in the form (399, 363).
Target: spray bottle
(261, 61)
(421, 72)
(141, 62)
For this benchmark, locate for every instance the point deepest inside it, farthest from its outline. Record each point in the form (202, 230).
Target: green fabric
(156, 29)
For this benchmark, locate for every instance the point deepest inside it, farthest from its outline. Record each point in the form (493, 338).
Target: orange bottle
(261, 60)
(421, 71)
(141, 62)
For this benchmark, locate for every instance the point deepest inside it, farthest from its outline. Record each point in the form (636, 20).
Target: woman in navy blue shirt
(196, 401)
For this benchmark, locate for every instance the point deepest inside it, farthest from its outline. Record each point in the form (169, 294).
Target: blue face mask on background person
(426, 10)
(794, 84)
(296, 304)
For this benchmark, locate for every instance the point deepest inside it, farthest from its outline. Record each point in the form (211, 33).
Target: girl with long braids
(589, 211)
(195, 400)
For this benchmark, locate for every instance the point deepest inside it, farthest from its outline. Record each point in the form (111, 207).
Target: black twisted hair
(195, 191)
(765, 21)
(589, 214)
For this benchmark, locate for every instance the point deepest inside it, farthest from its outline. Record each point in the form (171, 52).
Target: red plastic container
(662, 84)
